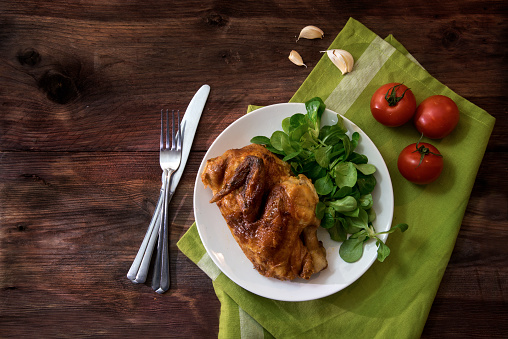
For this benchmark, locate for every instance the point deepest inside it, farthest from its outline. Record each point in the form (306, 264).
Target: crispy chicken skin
(270, 213)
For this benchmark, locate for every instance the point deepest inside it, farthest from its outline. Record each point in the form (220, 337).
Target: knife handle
(139, 268)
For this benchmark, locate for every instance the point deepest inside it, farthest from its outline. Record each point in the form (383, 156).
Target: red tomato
(393, 104)
(436, 116)
(420, 163)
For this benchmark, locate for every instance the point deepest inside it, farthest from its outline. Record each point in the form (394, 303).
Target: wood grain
(80, 87)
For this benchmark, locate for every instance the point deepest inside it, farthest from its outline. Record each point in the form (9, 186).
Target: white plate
(226, 253)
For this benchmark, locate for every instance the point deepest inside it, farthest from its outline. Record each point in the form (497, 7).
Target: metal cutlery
(158, 225)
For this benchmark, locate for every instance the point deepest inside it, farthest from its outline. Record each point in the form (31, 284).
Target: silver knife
(190, 123)
(139, 269)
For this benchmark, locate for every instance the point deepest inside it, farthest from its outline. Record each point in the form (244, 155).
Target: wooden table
(81, 85)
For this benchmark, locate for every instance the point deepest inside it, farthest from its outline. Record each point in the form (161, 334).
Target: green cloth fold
(392, 299)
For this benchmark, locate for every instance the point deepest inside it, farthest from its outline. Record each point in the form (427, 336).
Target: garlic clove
(342, 59)
(311, 32)
(295, 58)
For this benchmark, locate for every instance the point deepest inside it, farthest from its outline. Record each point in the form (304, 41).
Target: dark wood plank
(471, 300)
(71, 227)
(81, 85)
(88, 90)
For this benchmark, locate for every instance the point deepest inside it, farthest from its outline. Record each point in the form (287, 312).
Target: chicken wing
(270, 213)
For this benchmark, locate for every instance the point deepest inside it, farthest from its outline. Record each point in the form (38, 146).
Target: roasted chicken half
(270, 213)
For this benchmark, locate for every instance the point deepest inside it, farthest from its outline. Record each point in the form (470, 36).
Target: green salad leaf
(343, 178)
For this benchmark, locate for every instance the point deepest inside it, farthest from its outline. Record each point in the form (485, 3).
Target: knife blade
(190, 123)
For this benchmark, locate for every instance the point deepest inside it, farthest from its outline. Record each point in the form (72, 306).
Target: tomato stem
(423, 151)
(391, 96)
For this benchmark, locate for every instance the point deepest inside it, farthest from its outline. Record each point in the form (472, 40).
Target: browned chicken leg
(270, 213)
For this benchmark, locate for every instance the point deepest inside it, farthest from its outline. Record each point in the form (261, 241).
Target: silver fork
(169, 161)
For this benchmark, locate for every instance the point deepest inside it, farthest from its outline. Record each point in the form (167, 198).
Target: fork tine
(167, 128)
(179, 146)
(173, 129)
(162, 128)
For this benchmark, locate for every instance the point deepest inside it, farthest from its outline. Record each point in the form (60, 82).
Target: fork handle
(161, 278)
(139, 268)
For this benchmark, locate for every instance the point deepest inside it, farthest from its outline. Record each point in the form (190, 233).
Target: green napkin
(392, 299)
